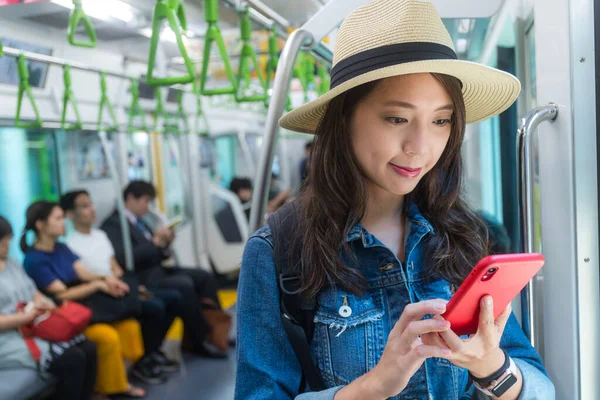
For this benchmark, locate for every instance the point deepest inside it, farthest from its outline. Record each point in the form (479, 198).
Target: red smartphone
(500, 276)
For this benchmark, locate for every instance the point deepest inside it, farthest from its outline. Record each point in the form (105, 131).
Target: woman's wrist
(365, 387)
(489, 365)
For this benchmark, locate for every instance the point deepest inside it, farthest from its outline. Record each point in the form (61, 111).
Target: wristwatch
(500, 381)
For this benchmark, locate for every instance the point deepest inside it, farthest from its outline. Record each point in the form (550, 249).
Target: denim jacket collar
(420, 225)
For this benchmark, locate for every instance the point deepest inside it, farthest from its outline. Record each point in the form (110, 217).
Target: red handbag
(60, 325)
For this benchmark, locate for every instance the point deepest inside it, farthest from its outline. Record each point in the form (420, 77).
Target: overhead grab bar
(213, 34)
(278, 101)
(247, 59)
(77, 16)
(174, 13)
(105, 101)
(24, 87)
(526, 141)
(69, 97)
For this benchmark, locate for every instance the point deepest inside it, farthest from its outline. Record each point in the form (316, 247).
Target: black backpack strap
(297, 313)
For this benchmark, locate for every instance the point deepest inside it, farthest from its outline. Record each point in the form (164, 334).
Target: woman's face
(4, 246)
(55, 226)
(400, 130)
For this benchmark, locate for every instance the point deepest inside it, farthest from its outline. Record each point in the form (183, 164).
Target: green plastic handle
(200, 115)
(1, 49)
(160, 111)
(105, 101)
(77, 16)
(213, 34)
(135, 109)
(248, 57)
(69, 97)
(24, 87)
(273, 55)
(181, 112)
(174, 13)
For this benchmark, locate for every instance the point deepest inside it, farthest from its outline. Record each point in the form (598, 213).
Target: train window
(226, 154)
(173, 170)
(37, 70)
(138, 156)
(28, 172)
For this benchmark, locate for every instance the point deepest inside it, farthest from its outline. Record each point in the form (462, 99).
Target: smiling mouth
(406, 172)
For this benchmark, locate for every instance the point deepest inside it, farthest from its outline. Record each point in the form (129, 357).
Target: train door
(565, 74)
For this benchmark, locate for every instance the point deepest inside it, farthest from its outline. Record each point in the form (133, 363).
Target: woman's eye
(396, 120)
(442, 122)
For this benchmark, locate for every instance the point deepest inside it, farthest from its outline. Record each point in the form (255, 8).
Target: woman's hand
(403, 354)
(480, 353)
(117, 285)
(31, 315)
(104, 287)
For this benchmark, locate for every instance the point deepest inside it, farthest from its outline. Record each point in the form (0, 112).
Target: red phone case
(513, 273)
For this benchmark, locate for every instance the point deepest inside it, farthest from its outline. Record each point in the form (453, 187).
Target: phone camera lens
(492, 270)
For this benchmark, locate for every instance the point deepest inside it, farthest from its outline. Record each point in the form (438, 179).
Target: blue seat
(21, 384)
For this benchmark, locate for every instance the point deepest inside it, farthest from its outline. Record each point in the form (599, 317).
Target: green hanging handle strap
(325, 80)
(135, 110)
(273, 55)
(24, 87)
(213, 34)
(200, 115)
(183, 117)
(104, 100)
(248, 56)
(160, 111)
(69, 97)
(77, 16)
(174, 13)
(1, 49)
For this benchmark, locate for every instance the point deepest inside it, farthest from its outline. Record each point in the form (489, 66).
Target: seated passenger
(73, 364)
(59, 273)
(206, 323)
(159, 307)
(242, 187)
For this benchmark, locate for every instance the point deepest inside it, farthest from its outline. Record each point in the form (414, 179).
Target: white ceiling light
(461, 46)
(104, 9)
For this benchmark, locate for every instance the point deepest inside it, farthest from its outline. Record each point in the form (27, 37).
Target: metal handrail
(280, 89)
(525, 144)
(114, 173)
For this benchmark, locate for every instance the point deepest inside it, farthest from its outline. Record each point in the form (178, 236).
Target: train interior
(97, 93)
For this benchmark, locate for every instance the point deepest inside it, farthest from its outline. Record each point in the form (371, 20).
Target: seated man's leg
(204, 283)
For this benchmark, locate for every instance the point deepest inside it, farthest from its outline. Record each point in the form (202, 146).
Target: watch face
(504, 385)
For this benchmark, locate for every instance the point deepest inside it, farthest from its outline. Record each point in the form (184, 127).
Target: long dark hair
(38, 211)
(336, 196)
(5, 228)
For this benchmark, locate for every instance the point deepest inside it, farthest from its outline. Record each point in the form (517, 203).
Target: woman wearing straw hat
(381, 237)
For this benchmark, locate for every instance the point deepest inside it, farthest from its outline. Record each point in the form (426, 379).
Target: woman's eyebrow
(410, 106)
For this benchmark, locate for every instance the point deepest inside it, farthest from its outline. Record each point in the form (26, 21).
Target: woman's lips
(407, 172)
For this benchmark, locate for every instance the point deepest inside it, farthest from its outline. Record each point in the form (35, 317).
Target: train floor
(200, 379)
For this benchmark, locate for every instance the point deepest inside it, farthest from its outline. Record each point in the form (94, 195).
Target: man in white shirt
(159, 308)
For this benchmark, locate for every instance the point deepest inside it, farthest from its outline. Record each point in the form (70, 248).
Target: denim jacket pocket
(348, 335)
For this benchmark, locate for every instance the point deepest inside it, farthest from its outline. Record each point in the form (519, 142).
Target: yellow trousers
(113, 343)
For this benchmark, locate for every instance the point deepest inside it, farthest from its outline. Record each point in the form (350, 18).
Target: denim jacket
(346, 347)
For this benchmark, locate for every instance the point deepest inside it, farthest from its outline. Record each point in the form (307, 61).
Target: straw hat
(388, 38)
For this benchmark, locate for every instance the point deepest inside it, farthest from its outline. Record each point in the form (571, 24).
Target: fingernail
(446, 352)
(440, 306)
(443, 324)
(488, 301)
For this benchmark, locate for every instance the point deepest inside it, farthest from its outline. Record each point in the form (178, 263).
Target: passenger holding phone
(381, 237)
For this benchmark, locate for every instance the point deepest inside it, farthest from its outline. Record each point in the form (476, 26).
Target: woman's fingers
(416, 311)
(422, 352)
(487, 324)
(417, 328)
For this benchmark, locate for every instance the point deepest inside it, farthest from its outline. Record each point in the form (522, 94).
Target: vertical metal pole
(525, 144)
(276, 106)
(114, 173)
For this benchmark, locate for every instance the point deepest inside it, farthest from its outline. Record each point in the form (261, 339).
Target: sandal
(133, 392)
